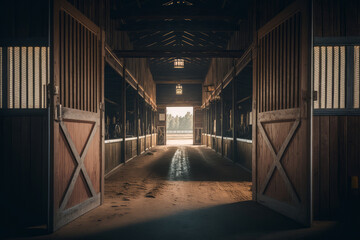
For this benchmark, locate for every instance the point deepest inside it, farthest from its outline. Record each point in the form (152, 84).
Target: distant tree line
(179, 123)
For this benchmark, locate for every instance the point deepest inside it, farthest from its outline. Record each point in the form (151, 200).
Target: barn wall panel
(334, 18)
(335, 160)
(24, 154)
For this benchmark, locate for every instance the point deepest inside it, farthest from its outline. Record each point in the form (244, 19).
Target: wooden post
(150, 117)
(254, 105)
(215, 127)
(222, 118)
(350, 77)
(145, 121)
(123, 156)
(233, 111)
(102, 110)
(137, 120)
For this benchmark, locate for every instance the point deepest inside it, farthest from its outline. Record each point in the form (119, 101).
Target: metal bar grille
(356, 76)
(329, 77)
(27, 77)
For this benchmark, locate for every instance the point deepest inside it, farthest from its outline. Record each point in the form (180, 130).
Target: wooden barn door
(198, 125)
(282, 81)
(77, 116)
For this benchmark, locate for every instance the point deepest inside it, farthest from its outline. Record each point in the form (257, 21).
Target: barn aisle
(183, 192)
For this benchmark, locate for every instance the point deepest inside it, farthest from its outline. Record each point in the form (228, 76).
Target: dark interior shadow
(237, 220)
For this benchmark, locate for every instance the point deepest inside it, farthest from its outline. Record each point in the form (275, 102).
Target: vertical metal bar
(349, 77)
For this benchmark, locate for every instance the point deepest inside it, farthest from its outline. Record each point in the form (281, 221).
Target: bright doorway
(179, 125)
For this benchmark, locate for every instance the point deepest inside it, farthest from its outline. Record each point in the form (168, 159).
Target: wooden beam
(179, 26)
(177, 13)
(195, 81)
(179, 53)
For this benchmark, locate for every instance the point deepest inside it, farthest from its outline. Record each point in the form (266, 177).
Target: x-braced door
(198, 125)
(282, 80)
(76, 116)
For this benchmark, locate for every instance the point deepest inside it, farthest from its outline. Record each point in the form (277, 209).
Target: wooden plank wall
(29, 23)
(334, 18)
(112, 155)
(79, 73)
(266, 10)
(279, 86)
(220, 67)
(99, 11)
(166, 95)
(335, 138)
(335, 159)
(113, 150)
(244, 150)
(24, 158)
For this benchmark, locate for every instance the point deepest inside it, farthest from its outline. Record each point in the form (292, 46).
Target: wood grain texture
(282, 127)
(23, 147)
(335, 151)
(336, 18)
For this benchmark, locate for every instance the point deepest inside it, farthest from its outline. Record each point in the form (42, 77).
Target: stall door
(282, 155)
(198, 125)
(76, 121)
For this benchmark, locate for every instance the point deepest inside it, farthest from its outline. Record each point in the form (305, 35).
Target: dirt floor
(185, 192)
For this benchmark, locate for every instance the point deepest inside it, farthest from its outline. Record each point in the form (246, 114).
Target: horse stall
(233, 108)
(57, 110)
(336, 113)
(51, 121)
(127, 102)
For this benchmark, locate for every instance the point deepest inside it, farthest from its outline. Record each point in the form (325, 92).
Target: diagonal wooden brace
(277, 160)
(80, 161)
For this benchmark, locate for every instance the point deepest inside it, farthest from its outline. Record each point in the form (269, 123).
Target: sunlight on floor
(180, 165)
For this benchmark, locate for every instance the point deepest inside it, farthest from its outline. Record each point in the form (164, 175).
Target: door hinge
(58, 113)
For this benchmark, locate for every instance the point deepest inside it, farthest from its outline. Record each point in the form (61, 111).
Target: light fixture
(178, 63)
(179, 89)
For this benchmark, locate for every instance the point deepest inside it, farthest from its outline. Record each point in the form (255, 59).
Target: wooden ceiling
(179, 25)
